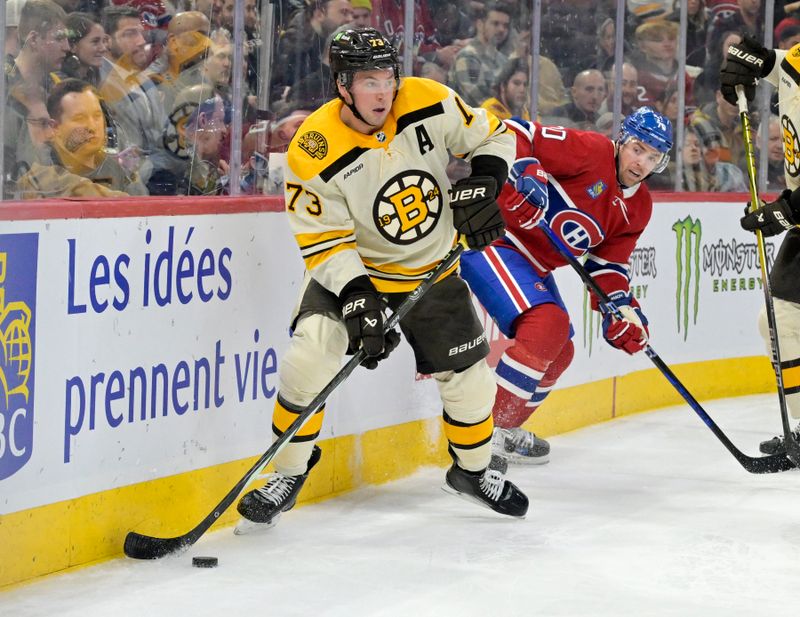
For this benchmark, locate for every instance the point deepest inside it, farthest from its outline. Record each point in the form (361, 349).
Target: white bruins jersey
(786, 77)
(379, 204)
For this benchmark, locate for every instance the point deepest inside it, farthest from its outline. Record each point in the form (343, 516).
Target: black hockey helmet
(361, 49)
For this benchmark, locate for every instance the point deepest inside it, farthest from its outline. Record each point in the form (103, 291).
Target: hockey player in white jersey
(367, 197)
(747, 62)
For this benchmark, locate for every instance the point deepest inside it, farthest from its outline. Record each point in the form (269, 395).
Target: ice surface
(647, 515)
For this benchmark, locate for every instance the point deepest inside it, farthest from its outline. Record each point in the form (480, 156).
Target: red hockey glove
(629, 334)
(529, 179)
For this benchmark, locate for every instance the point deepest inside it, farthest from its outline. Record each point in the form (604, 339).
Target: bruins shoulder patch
(314, 144)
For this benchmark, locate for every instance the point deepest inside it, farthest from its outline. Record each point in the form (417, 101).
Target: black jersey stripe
(339, 164)
(790, 70)
(417, 116)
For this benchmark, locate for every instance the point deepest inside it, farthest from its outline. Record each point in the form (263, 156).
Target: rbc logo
(578, 230)
(18, 262)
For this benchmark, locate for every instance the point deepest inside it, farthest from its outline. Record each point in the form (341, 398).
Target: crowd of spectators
(114, 97)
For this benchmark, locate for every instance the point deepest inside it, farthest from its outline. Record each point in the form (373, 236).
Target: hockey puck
(205, 562)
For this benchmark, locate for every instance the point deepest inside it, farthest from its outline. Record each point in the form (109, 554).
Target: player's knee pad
(468, 395)
(560, 364)
(541, 333)
(313, 358)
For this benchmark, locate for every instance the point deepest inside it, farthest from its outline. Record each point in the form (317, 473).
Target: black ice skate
(776, 445)
(517, 445)
(489, 488)
(262, 507)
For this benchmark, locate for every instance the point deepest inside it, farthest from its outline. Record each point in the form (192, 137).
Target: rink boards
(141, 340)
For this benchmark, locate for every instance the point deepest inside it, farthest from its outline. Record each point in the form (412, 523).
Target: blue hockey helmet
(650, 128)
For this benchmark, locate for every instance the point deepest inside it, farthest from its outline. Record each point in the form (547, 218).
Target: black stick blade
(138, 546)
(773, 463)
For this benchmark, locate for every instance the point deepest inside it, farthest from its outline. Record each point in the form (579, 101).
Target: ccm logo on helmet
(470, 193)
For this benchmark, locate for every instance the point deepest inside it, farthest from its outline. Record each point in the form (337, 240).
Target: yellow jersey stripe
(315, 259)
(306, 241)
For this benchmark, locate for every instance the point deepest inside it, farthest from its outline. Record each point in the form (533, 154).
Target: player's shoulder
(418, 93)
(320, 142)
(791, 59)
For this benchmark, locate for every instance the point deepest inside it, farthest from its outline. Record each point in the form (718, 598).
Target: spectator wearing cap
(787, 33)
(206, 134)
(131, 96)
(748, 18)
(362, 13)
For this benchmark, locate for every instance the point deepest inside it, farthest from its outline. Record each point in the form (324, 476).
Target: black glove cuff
(769, 63)
(793, 199)
(489, 165)
(360, 284)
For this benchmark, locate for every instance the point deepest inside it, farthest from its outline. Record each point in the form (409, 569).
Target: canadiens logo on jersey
(408, 206)
(596, 189)
(314, 144)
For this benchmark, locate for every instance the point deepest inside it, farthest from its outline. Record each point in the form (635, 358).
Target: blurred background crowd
(199, 97)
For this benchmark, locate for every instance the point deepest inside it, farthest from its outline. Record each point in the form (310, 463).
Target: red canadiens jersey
(588, 208)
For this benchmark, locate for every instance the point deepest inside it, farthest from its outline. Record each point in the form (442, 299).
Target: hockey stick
(765, 464)
(140, 546)
(792, 447)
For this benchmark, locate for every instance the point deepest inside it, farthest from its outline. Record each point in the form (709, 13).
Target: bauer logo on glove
(475, 211)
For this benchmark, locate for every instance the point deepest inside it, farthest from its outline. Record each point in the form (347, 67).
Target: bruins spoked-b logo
(791, 146)
(314, 144)
(408, 206)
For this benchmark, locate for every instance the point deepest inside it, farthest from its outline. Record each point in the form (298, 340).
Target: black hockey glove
(774, 217)
(363, 317)
(475, 210)
(746, 63)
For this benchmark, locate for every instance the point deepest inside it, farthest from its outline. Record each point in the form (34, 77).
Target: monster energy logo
(688, 233)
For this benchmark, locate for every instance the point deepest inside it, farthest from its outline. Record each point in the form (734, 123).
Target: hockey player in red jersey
(589, 190)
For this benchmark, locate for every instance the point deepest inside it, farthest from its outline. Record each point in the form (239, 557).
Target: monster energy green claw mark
(688, 233)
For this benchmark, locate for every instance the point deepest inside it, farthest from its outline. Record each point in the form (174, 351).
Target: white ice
(647, 515)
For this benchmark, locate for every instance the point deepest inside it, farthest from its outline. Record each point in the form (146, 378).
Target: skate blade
(449, 489)
(246, 528)
(518, 459)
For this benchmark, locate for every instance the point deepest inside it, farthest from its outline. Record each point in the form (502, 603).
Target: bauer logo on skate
(18, 262)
